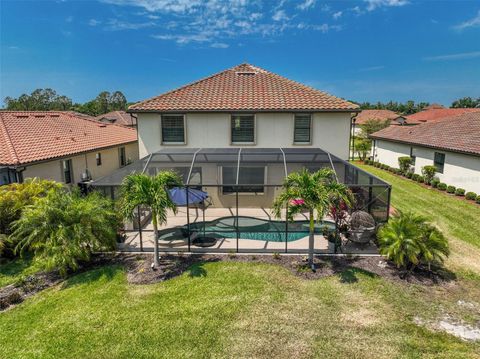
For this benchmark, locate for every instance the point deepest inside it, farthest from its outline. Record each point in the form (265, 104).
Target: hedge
(451, 189)
(460, 192)
(471, 196)
(442, 186)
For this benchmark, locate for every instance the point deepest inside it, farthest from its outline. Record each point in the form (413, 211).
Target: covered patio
(240, 185)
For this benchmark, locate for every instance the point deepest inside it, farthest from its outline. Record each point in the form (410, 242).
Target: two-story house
(244, 106)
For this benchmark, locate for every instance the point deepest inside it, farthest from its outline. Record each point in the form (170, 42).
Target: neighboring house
(435, 114)
(452, 145)
(118, 117)
(244, 106)
(61, 146)
(367, 115)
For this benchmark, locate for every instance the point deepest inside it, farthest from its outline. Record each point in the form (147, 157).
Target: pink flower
(297, 202)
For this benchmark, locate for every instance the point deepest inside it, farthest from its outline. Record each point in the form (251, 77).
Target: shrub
(478, 199)
(442, 186)
(451, 189)
(471, 196)
(429, 173)
(415, 177)
(405, 163)
(459, 192)
(367, 161)
(409, 240)
(65, 228)
(385, 167)
(376, 164)
(435, 182)
(420, 179)
(408, 174)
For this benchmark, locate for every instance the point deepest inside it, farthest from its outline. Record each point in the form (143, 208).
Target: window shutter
(302, 128)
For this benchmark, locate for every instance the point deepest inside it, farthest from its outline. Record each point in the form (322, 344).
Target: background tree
(150, 191)
(312, 192)
(373, 125)
(39, 100)
(466, 102)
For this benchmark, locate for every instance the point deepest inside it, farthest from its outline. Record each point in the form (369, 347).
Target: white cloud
(337, 15)
(219, 45)
(307, 4)
(280, 15)
(118, 25)
(374, 4)
(176, 6)
(453, 57)
(212, 22)
(474, 22)
(94, 22)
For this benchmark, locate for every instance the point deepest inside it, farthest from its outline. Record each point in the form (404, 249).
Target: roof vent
(40, 116)
(22, 116)
(102, 125)
(246, 73)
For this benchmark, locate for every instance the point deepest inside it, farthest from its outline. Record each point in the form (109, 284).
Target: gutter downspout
(351, 141)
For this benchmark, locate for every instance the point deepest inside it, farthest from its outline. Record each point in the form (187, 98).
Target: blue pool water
(248, 228)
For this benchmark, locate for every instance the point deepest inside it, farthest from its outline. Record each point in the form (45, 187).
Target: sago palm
(316, 192)
(63, 228)
(408, 239)
(149, 191)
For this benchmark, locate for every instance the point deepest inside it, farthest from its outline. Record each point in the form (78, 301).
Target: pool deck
(228, 245)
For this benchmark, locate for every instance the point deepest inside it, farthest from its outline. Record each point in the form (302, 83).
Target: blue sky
(366, 50)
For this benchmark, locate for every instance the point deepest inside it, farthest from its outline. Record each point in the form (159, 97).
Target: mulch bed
(139, 270)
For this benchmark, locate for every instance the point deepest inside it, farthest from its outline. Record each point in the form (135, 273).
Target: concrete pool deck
(228, 245)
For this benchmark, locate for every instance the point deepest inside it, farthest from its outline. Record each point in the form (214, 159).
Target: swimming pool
(250, 228)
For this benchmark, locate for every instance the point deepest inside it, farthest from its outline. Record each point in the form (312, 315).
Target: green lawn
(235, 310)
(254, 310)
(12, 271)
(458, 219)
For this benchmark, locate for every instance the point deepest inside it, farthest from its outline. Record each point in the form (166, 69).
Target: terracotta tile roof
(382, 115)
(117, 117)
(460, 133)
(29, 136)
(437, 114)
(244, 88)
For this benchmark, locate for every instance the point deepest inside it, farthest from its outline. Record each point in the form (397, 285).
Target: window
(243, 129)
(412, 156)
(67, 171)
(302, 128)
(98, 157)
(439, 161)
(122, 157)
(252, 179)
(173, 129)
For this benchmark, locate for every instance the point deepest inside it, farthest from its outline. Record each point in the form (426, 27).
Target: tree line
(48, 100)
(411, 107)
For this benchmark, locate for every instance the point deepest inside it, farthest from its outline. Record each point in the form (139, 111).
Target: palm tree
(314, 192)
(150, 191)
(408, 240)
(63, 228)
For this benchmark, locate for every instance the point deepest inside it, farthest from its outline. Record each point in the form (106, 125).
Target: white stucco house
(244, 106)
(61, 146)
(452, 145)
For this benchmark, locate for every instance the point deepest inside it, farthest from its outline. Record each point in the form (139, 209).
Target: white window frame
(254, 129)
(311, 129)
(184, 130)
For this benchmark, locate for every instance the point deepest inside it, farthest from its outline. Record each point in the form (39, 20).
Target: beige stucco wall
(460, 170)
(388, 152)
(330, 131)
(110, 162)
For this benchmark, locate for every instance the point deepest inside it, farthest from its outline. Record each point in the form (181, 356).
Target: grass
(245, 310)
(233, 310)
(13, 270)
(457, 218)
